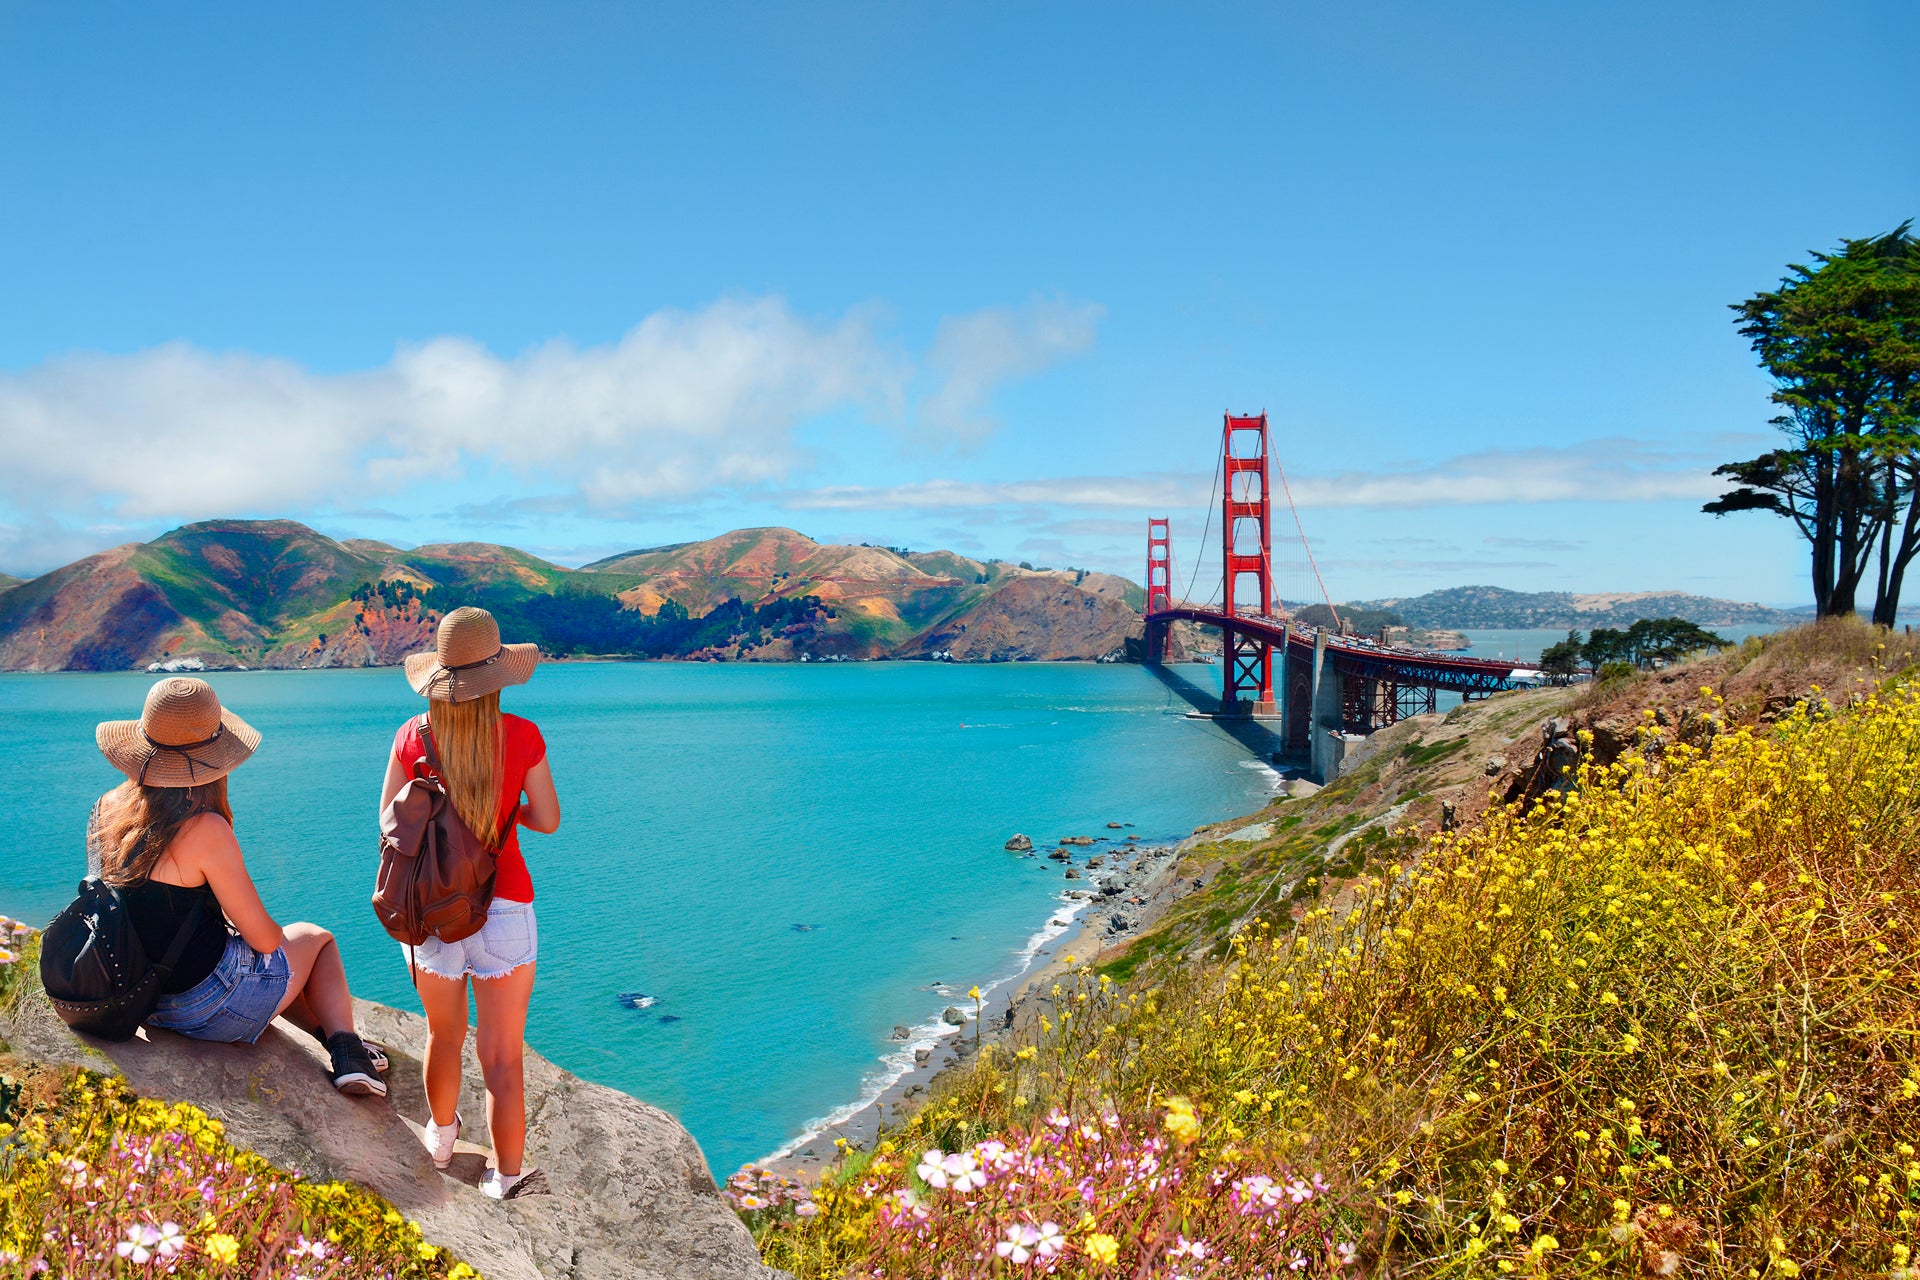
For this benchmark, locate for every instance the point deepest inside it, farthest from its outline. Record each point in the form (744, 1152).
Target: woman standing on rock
(494, 770)
(164, 838)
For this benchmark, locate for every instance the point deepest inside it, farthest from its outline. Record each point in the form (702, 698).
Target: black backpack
(95, 968)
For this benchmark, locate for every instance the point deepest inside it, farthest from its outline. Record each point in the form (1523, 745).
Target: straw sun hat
(183, 738)
(468, 661)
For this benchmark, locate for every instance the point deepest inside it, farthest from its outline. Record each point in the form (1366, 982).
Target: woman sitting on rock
(164, 838)
(496, 775)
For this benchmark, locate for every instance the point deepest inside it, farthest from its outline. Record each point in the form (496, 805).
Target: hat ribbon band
(184, 750)
(487, 661)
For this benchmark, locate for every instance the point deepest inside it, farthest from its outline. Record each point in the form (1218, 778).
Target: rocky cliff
(1034, 618)
(631, 1195)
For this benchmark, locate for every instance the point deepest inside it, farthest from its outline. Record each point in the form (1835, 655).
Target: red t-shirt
(523, 748)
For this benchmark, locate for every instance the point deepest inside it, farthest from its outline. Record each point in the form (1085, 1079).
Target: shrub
(97, 1181)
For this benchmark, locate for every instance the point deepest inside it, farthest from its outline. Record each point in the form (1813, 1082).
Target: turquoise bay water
(709, 809)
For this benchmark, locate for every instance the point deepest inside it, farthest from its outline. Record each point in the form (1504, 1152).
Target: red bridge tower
(1246, 685)
(1159, 584)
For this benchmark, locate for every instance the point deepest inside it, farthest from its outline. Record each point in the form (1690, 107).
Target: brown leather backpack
(436, 877)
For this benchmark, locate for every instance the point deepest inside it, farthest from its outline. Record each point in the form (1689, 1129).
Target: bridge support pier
(1326, 714)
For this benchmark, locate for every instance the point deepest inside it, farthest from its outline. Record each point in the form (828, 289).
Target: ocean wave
(1271, 777)
(894, 1066)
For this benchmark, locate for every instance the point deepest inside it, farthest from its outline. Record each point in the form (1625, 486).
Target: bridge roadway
(1473, 677)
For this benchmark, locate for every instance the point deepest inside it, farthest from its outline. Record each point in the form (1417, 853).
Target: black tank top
(158, 910)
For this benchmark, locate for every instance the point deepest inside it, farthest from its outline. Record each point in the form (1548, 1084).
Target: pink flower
(144, 1241)
(1195, 1249)
(1018, 1247)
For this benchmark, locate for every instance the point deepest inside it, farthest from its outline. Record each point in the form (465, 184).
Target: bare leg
(502, 1006)
(300, 1014)
(445, 1000)
(319, 978)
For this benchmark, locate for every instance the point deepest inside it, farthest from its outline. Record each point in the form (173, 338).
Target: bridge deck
(1363, 658)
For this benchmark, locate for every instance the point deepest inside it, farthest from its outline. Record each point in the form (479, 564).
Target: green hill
(226, 593)
(1496, 607)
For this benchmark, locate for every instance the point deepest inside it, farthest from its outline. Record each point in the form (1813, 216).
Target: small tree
(1561, 661)
(1606, 645)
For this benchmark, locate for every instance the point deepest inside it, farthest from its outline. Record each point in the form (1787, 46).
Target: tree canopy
(1646, 643)
(1842, 341)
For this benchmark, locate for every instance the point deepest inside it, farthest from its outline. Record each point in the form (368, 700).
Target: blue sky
(588, 277)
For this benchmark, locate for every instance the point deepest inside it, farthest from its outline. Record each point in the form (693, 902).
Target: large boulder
(632, 1197)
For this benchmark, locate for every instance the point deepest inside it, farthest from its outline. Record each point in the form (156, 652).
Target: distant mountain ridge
(274, 593)
(1493, 608)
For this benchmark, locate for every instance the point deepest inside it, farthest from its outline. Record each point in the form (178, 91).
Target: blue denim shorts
(233, 1003)
(508, 939)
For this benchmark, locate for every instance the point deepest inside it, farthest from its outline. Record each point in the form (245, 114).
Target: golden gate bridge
(1332, 685)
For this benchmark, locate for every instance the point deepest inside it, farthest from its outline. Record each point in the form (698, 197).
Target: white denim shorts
(508, 939)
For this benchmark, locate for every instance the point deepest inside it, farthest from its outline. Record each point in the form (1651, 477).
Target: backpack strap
(433, 753)
(440, 775)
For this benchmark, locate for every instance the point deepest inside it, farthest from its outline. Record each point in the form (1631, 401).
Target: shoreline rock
(632, 1195)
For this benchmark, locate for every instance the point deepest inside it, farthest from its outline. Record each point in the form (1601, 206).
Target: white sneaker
(505, 1186)
(439, 1140)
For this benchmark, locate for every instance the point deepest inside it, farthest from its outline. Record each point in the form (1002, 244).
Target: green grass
(1417, 754)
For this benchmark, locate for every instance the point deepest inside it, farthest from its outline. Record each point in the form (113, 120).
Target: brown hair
(137, 825)
(467, 736)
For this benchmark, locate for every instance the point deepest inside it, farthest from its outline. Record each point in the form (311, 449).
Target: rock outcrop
(1037, 618)
(631, 1196)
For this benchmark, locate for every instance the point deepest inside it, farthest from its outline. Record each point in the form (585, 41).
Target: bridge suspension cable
(1305, 545)
(1213, 487)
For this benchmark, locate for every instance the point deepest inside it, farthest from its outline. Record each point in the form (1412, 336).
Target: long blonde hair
(135, 825)
(467, 735)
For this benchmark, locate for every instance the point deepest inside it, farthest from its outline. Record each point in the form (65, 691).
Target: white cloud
(975, 354)
(685, 403)
(681, 402)
(1615, 470)
(1169, 492)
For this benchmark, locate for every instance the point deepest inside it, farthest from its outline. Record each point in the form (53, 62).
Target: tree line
(1842, 340)
(570, 622)
(1649, 642)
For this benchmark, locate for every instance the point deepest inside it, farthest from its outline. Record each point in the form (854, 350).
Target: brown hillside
(755, 564)
(1035, 617)
(94, 615)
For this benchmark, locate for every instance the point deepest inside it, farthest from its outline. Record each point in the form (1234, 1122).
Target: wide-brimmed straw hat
(468, 660)
(183, 738)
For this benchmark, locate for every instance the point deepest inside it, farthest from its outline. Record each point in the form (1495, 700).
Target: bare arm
(396, 779)
(208, 845)
(541, 812)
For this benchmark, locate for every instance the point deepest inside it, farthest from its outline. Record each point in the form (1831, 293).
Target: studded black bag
(95, 969)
